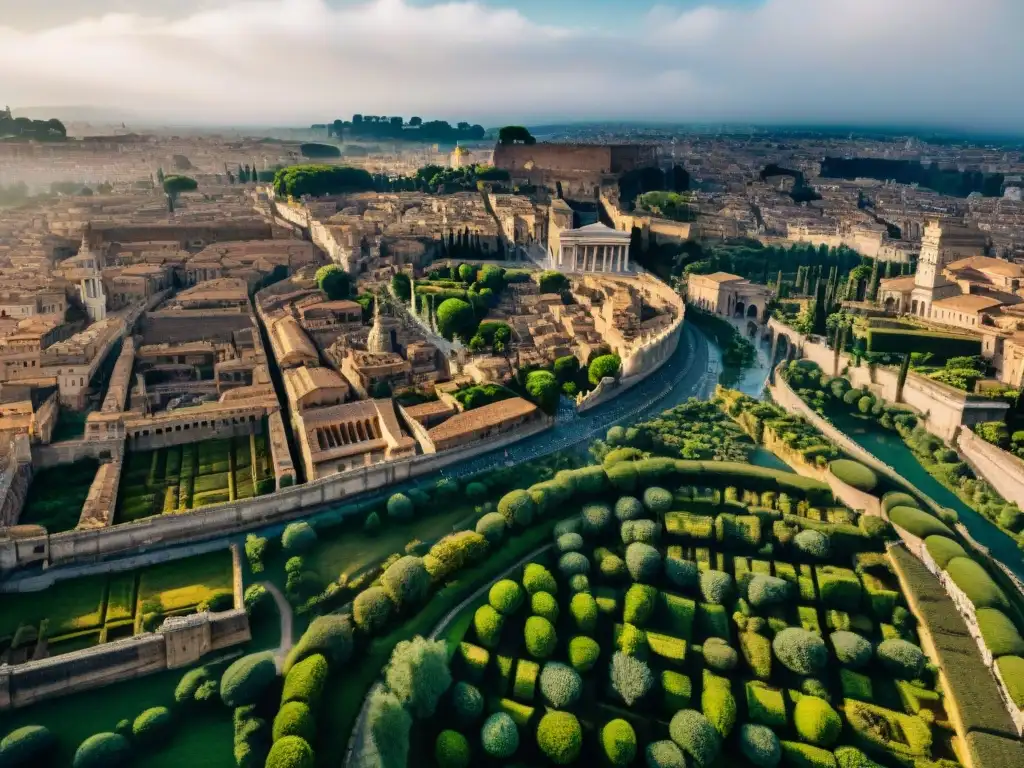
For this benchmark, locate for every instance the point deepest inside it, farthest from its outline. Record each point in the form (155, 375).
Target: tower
(91, 289)
(379, 340)
(942, 243)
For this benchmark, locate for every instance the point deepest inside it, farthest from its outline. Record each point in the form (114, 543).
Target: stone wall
(70, 451)
(1003, 470)
(177, 643)
(234, 517)
(943, 409)
(171, 327)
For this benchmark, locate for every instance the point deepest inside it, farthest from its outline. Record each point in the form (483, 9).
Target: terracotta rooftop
(968, 303)
(483, 417)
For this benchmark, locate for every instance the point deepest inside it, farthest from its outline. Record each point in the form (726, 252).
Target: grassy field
(72, 613)
(190, 476)
(57, 494)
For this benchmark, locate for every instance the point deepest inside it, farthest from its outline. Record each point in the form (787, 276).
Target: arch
(752, 311)
(783, 346)
(890, 305)
(913, 307)
(739, 309)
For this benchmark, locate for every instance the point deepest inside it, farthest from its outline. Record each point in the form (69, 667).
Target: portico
(593, 248)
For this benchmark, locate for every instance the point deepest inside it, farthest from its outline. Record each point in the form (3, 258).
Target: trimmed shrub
(453, 553)
(517, 508)
(718, 703)
(298, 538)
(196, 685)
(569, 542)
(900, 658)
(816, 722)
(898, 499)
(371, 610)
(560, 737)
(618, 739)
(645, 531)
(631, 678)
(330, 635)
(467, 702)
(664, 754)
(400, 507)
(613, 567)
(406, 582)
(851, 649)
(814, 544)
(505, 597)
(152, 726)
(629, 508)
(839, 588)
(943, 549)
(854, 474)
(537, 578)
(766, 705)
(918, 523)
(596, 519)
(719, 655)
(247, 678)
(487, 623)
(677, 691)
(545, 605)
(306, 680)
(579, 582)
(763, 590)
(692, 732)
(757, 650)
(657, 500)
(631, 640)
(584, 652)
(390, 724)
(851, 757)
(643, 562)
(540, 637)
(418, 674)
(975, 582)
(102, 750)
(682, 573)
(1000, 635)
(800, 651)
(716, 587)
(639, 604)
(499, 736)
(560, 685)
(26, 747)
(295, 718)
(451, 750)
(760, 745)
(291, 752)
(492, 527)
(573, 563)
(583, 608)
(800, 755)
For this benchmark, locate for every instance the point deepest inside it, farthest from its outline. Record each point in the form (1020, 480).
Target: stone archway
(740, 309)
(890, 305)
(913, 307)
(752, 311)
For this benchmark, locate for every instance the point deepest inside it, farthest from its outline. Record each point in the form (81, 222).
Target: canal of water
(889, 447)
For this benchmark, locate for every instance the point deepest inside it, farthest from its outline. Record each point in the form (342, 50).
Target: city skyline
(290, 62)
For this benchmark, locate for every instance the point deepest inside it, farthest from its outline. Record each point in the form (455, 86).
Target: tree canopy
(515, 134)
(334, 281)
(319, 180)
(32, 130)
(175, 185)
(319, 150)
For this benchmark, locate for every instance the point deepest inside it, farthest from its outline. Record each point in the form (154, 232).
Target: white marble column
(604, 258)
(625, 265)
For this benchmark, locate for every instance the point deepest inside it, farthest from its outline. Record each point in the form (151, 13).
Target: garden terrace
(57, 494)
(641, 631)
(193, 475)
(90, 610)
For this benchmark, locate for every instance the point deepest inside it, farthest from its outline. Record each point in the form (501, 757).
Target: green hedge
(898, 499)
(855, 474)
(942, 345)
(943, 549)
(919, 523)
(1012, 670)
(30, 745)
(975, 582)
(797, 755)
(1000, 635)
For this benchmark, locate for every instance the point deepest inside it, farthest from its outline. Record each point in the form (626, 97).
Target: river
(889, 447)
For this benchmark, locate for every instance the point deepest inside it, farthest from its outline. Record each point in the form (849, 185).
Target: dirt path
(285, 611)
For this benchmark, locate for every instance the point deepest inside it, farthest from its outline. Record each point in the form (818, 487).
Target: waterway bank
(889, 448)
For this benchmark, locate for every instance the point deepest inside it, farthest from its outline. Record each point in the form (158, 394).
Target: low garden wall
(1002, 470)
(70, 451)
(233, 517)
(178, 643)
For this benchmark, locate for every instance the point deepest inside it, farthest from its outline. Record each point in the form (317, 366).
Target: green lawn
(56, 495)
(74, 611)
(190, 476)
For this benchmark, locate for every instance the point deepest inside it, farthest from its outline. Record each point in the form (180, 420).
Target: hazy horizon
(292, 63)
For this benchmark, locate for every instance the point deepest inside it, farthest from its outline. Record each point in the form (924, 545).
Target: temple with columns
(593, 248)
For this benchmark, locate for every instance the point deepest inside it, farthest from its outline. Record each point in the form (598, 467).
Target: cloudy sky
(281, 62)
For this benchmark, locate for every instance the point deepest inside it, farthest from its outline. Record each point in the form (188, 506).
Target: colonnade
(594, 258)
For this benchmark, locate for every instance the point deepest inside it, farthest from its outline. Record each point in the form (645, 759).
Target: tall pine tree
(818, 321)
(872, 290)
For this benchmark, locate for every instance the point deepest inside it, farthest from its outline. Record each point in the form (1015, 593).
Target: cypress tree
(872, 290)
(818, 319)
